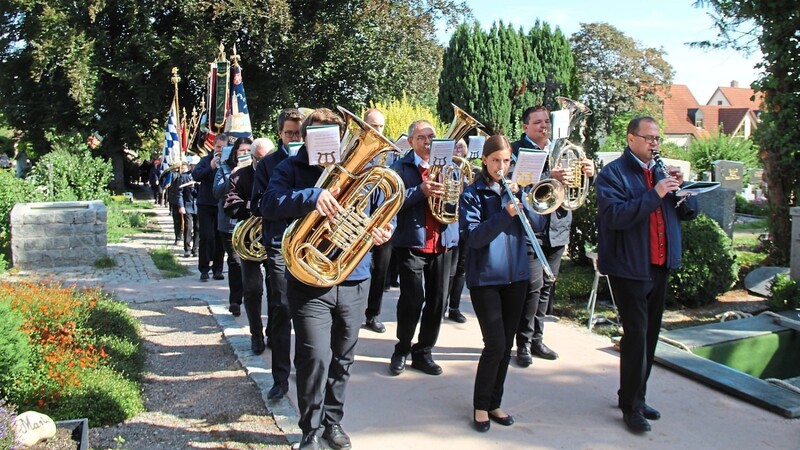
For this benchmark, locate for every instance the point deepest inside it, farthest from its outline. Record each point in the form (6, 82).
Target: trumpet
(548, 272)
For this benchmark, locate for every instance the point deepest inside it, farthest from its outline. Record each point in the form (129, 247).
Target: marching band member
(423, 247)
(639, 237)
(498, 271)
(212, 254)
(279, 322)
(238, 206)
(326, 319)
(554, 238)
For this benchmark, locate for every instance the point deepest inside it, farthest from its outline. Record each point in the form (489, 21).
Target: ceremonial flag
(172, 142)
(184, 134)
(238, 124)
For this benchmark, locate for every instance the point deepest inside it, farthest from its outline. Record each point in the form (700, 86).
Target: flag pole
(175, 79)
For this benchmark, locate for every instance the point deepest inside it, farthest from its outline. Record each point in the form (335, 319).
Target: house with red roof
(733, 110)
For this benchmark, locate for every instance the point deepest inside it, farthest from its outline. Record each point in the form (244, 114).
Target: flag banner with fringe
(238, 124)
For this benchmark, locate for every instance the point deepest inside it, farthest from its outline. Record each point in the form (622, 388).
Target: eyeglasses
(650, 139)
(293, 134)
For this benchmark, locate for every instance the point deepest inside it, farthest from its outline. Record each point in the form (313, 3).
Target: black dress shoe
(310, 441)
(650, 413)
(398, 364)
(375, 325)
(336, 437)
(506, 421)
(483, 427)
(524, 358)
(219, 276)
(257, 344)
(456, 316)
(425, 363)
(277, 391)
(542, 351)
(185, 254)
(204, 277)
(636, 422)
(235, 309)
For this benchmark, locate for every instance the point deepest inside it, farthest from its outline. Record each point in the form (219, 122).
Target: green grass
(106, 262)
(126, 218)
(165, 260)
(761, 224)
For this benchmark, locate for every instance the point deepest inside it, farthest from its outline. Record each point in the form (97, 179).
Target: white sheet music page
(441, 152)
(560, 121)
(293, 148)
(475, 146)
(530, 164)
(322, 143)
(402, 143)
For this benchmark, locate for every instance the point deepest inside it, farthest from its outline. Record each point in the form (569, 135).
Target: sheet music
(530, 164)
(560, 121)
(322, 143)
(402, 143)
(475, 147)
(442, 152)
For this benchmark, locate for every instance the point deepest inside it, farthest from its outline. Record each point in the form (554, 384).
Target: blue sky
(658, 23)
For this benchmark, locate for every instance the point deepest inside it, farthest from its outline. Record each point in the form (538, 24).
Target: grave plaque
(729, 174)
(720, 205)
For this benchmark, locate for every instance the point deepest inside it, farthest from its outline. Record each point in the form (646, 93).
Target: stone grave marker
(729, 174)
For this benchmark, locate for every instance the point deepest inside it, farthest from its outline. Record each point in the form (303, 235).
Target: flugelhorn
(453, 176)
(320, 251)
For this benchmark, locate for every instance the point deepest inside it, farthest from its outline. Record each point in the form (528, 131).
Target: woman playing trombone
(498, 272)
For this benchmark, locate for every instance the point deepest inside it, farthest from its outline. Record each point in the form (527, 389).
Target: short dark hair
(527, 113)
(289, 114)
(633, 125)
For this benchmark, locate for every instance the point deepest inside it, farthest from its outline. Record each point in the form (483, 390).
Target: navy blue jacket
(624, 204)
(271, 229)
(291, 194)
(204, 174)
(222, 180)
(496, 243)
(410, 232)
(186, 195)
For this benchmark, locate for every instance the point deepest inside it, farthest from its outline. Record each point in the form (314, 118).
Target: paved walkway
(568, 403)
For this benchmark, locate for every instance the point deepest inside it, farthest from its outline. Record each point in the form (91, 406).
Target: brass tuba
(320, 251)
(568, 155)
(452, 176)
(246, 239)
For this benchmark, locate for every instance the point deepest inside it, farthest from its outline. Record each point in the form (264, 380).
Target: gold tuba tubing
(452, 176)
(323, 252)
(567, 155)
(246, 239)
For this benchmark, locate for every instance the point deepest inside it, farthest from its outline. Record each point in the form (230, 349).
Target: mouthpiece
(500, 173)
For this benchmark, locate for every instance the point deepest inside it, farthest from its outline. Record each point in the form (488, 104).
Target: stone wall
(58, 234)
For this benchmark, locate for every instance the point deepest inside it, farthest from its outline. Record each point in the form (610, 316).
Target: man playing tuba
(326, 319)
(536, 126)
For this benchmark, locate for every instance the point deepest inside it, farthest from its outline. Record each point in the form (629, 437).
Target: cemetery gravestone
(729, 174)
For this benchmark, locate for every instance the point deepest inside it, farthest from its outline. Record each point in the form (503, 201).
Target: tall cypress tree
(462, 63)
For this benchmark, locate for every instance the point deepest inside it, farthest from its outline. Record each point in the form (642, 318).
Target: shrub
(12, 191)
(722, 146)
(401, 112)
(79, 339)
(66, 175)
(743, 206)
(14, 348)
(583, 232)
(7, 416)
(708, 266)
(785, 293)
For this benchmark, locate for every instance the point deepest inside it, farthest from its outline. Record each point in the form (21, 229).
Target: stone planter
(80, 431)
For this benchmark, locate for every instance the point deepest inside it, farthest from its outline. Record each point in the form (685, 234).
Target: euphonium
(320, 251)
(567, 155)
(246, 239)
(452, 176)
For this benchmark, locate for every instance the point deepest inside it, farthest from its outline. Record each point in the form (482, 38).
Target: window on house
(698, 122)
(719, 102)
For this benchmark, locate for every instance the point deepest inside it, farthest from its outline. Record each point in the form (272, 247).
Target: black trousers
(252, 292)
(212, 252)
(458, 276)
(531, 325)
(326, 323)
(381, 256)
(498, 309)
(279, 324)
(424, 281)
(177, 222)
(234, 270)
(641, 306)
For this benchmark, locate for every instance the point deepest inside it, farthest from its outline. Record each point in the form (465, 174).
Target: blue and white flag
(172, 139)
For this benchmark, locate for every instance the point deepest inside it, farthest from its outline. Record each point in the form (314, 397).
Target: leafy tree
(772, 27)
(703, 152)
(616, 74)
(94, 65)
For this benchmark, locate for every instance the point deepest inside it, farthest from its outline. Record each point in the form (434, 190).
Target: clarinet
(660, 166)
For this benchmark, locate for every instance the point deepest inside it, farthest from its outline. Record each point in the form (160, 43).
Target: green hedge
(785, 293)
(14, 346)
